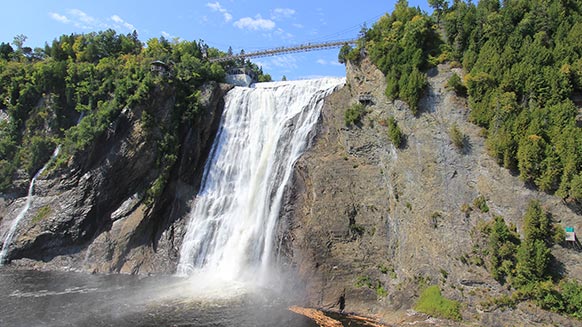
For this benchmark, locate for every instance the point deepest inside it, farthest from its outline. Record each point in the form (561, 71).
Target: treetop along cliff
(94, 76)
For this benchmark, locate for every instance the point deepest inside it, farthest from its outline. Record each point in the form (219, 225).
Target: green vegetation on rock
(525, 264)
(395, 133)
(41, 214)
(402, 45)
(433, 303)
(354, 114)
(480, 203)
(457, 137)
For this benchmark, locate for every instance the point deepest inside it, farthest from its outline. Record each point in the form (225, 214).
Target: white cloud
(280, 13)
(82, 16)
(298, 25)
(83, 20)
(282, 34)
(215, 6)
(288, 62)
(59, 18)
(283, 63)
(255, 24)
(123, 23)
(326, 63)
(116, 19)
(79, 19)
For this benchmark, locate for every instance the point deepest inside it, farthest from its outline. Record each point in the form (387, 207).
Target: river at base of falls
(34, 298)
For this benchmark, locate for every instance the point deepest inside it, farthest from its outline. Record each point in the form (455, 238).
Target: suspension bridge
(283, 50)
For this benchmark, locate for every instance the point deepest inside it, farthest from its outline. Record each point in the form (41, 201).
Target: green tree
(19, 41)
(530, 156)
(6, 51)
(343, 53)
(454, 83)
(533, 255)
(413, 89)
(439, 6)
(395, 133)
(502, 245)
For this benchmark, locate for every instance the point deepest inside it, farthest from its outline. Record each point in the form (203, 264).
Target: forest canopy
(523, 76)
(523, 61)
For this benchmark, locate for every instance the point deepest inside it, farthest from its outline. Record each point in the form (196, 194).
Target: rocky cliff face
(369, 223)
(92, 215)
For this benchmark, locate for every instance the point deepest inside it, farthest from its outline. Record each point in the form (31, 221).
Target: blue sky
(241, 24)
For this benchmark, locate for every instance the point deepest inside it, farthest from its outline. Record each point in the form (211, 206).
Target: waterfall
(10, 234)
(263, 132)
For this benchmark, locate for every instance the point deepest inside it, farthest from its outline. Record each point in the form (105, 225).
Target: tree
(537, 223)
(19, 41)
(533, 255)
(533, 258)
(439, 6)
(395, 133)
(284, 78)
(530, 156)
(5, 51)
(454, 83)
(502, 245)
(343, 53)
(412, 89)
(264, 78)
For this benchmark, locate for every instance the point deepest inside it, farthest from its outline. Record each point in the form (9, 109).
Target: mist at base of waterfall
(33, 298)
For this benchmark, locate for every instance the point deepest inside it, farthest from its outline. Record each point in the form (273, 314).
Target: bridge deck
(281, 50)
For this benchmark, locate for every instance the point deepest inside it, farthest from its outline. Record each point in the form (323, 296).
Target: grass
(433, 303)
(41, 214)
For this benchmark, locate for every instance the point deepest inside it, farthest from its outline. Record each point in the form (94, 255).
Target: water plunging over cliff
(263, 131)
(10, 234)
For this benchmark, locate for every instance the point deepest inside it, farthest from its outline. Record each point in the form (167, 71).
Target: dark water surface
(32, 298)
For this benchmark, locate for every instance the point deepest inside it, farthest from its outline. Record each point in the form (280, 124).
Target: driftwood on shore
(324, 321)
(319, 317)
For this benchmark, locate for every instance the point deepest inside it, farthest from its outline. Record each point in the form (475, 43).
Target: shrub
(466, 209)
(480, 202)
(572, 298)
(456, 84)
(363, 281)
(457, 137)
(433, 303)
(395, 133)
(354, 114)
(381, 292)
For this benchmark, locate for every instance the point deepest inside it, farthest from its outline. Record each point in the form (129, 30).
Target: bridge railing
(291, 49)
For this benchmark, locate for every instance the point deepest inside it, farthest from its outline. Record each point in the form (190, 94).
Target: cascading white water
(10, 234)
(263, 132)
